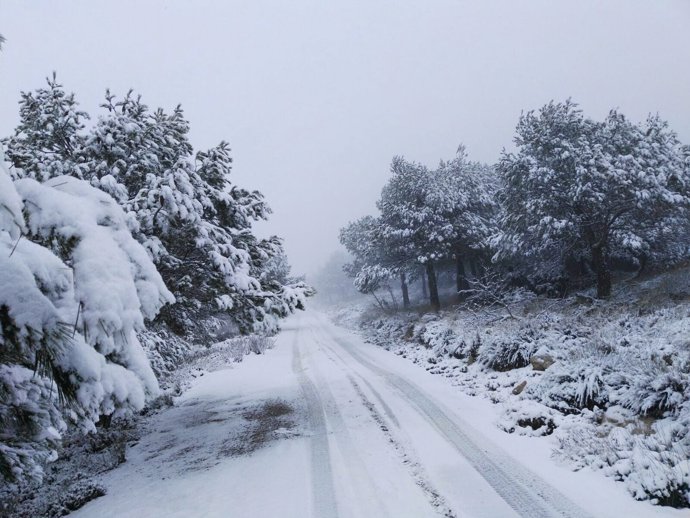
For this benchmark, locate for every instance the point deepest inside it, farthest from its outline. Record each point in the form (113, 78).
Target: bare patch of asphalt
(200, 434)
(270, 421)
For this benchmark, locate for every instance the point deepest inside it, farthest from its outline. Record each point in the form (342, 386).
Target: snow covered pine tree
(182, 207)
(86, 254)
(591, 190)
(75, 287)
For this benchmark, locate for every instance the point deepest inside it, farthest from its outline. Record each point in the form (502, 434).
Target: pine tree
(590, 189)
(409, 220)
(461, 194)
(182, 207)
(427, 216)
(49, 135)
(75, 288)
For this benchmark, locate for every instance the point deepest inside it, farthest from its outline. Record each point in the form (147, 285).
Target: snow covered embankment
(608, 381)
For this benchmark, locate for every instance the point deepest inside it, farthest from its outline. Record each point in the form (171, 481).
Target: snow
(609, 387)
(11, 219)
(76, 288)
(158, 479)
(366, 422)
(115, 282)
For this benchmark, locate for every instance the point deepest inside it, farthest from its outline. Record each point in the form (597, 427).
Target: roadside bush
(241, 346)
(165, 350)
(571, 388)
(658, 393)
(527, 417)
(505, 353)
(654, 467)
(258, 344)
(439, 337)
(76, 497)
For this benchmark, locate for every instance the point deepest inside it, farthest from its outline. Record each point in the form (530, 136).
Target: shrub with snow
(570, 388)
(527, 417)
(505, 353)
(659, 392)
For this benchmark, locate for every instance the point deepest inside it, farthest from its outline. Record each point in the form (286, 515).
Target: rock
(519, 388)
(541, 361)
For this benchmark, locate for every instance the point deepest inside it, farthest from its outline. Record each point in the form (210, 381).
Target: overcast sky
(315, 98)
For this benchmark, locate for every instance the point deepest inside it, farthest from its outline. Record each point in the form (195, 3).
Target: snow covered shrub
(80, 494)
(458, 351)
(75, 288)
(252, 344)
(659, 392)
(165, 350)
(505, 353)
(527, 417)
(570, 388)
(233, 349)
(259, 344)
(474, 348)
(653, 466)
(439, 337)
(586, 372)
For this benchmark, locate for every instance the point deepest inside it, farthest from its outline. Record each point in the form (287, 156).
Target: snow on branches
(75, 287)
(182, 206)
(578, 188)
(426, 217)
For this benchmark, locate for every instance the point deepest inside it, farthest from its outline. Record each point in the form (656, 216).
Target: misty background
(315, 98)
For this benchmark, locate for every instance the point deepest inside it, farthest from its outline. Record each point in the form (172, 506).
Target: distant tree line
(575, 201)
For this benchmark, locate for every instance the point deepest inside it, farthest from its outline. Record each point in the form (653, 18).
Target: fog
(315, 98)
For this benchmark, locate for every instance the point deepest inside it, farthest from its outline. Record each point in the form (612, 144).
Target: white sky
(315, 98)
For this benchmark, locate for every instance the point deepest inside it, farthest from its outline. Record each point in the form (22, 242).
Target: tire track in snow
(385, 406)
(523, 490)
(387, 409)
(364, 484)
(437, 501)
(324, 501)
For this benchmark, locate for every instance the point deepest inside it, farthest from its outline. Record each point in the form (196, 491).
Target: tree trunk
(425, 294)
(405, 293)
(600, 261)
(378, 301)
(433, 287)
(460, 277)
(394, 303)
(643, 263)
(475, 267)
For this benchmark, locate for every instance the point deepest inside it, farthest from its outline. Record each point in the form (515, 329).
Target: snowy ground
(326, 425)
(607, 382)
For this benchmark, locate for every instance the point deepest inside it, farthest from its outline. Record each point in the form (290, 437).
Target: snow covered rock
(541, 361)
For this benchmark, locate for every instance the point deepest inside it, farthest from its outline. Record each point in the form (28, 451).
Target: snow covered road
(327, 426)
